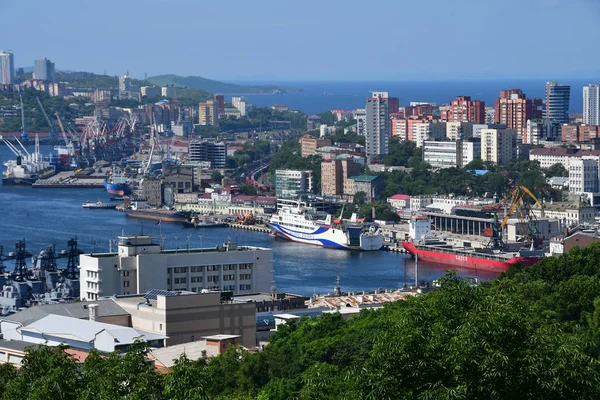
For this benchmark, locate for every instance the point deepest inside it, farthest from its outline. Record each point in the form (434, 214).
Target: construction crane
(50, 124)
(517, 203)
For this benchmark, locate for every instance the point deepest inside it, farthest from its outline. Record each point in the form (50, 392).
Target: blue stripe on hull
(287, 234)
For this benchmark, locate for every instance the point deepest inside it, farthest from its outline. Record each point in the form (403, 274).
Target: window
(160, 327)
(176, 281)
(126, 284)
(125, 273)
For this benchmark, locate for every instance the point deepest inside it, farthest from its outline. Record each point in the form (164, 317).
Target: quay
(71, 180)
(253, 228)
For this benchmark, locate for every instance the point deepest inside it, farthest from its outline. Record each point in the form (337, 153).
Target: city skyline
(313, 41)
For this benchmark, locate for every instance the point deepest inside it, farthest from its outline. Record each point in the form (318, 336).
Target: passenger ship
(293, 224)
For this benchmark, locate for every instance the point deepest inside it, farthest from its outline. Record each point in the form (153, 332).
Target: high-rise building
(591, 104)
(125, 84)
(207, 113)
(463, 109)
(241, 104)
(7, 67)
(557, 102)
(220, 101)
(169, 91)
(44, 70)
(378, 125)
(335, 175)
(514, 109)
(215, 153)
(290, 182)
(498, 145)
(149, 91)
(471, 150)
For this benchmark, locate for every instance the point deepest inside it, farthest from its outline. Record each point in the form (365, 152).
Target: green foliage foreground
(530, 334)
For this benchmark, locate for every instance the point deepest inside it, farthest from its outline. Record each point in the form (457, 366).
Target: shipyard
(283, 205)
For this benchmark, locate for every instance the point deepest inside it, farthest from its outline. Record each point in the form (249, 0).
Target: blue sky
(269, 40)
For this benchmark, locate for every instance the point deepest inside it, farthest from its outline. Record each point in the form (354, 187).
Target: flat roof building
(141, 265)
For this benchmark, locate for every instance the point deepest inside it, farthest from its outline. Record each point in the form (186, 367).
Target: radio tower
(21, 273)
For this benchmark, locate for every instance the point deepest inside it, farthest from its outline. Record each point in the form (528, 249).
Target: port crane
(50, 124)
(517, 203)
(68, 143)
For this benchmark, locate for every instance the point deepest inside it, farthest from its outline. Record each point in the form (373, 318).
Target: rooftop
(193, 351)
(15, 345)
(364, 178)
(400, 197)
(106, 308)
(220, 336)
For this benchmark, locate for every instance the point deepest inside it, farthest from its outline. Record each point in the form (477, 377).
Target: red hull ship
(482, 259)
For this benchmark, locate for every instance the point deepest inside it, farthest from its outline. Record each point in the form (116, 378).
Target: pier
(252, 228)
(71, 180)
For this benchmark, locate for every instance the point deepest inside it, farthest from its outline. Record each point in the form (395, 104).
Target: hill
(212, 86)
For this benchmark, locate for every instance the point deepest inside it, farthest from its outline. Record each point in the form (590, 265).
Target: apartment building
(464, 109)
(207, 113)
(446, 154)
(290, 182)
(498, 145)
(335, 176)
(471, 150)
(309, 145)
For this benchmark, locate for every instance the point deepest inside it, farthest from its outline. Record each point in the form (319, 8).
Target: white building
(446, 154)
(169, 91)
(454, 130)
(583, 175)
(360, 115)
(591, 104)
(141, 265)
(240, 104)
(498, 145)
(378, 125)
(421, 132)
(291, 182)
(471, 150)
(535, 131)
(7, 67)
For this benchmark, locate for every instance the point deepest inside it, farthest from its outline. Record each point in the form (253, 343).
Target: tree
(216, 177)
(360, 198)
(187, 380)
(556, 170)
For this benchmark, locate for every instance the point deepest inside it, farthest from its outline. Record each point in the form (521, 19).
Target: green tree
(216, 177)
(187, 380)
(556, 170)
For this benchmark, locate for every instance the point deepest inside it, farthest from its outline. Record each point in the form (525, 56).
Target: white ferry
(293, 224)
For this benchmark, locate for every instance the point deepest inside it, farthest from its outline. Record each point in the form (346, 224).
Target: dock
(252, 228)
(70, 180)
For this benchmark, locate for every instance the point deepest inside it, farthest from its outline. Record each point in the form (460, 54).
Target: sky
(287, 40)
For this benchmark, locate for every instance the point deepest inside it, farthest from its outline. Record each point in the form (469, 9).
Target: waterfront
(53, 216)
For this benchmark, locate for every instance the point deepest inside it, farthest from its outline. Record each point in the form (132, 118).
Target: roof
(400, 197)
(221, 336)
(364, 178)
(106, 308)
(193, 351)
(286, 316)
(85, 330)
(558, 180)
(16, 345)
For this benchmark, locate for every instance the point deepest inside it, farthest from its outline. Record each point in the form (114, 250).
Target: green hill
(212, 86)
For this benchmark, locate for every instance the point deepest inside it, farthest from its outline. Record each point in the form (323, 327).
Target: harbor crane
(517, 203)
(68, 143)
(50, 124)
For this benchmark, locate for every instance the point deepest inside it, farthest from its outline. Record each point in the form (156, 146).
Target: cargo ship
(117, 185)
(27, 167)
(159, 215)
(435, 250)
(294, 224)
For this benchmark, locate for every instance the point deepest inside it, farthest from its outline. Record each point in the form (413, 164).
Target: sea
(317, 97)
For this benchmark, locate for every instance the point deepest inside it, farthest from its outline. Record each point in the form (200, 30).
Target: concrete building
(498, 145)
(149, 91)
(399, 201)
(187, 316)
(290, 182)
(215, 153)
(454, 130)
(7, 67)
(150, 190)
(514, 109)
(471, 150)
(463, 109)
(183, 129)
(309, 145)
(591, 104)
(583, 176)
(313, 122)
(360, 115)
(535, 132)
(44, 70)
(125, 83)
(579, 133)
(377, 125)
(220, 102)
(207, 113)
(447, 154)
(567, 213)
(169, 91)
(335, 175)
(557, 102)
(371, 185)
(101, 96)
(241, 104)
(140, 265)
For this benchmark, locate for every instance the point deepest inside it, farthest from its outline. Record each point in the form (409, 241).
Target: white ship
(293, 224)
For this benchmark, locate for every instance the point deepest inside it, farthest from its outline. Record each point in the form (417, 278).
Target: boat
(117, 185)
(98, 204)
(426, 247)
(27, 167)
(294, 224)
(204, 221)
(159, 214)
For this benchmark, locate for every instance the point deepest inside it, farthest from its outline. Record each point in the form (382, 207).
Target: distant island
(212, 86)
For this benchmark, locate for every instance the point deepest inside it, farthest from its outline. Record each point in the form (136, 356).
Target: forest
(532, 333)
